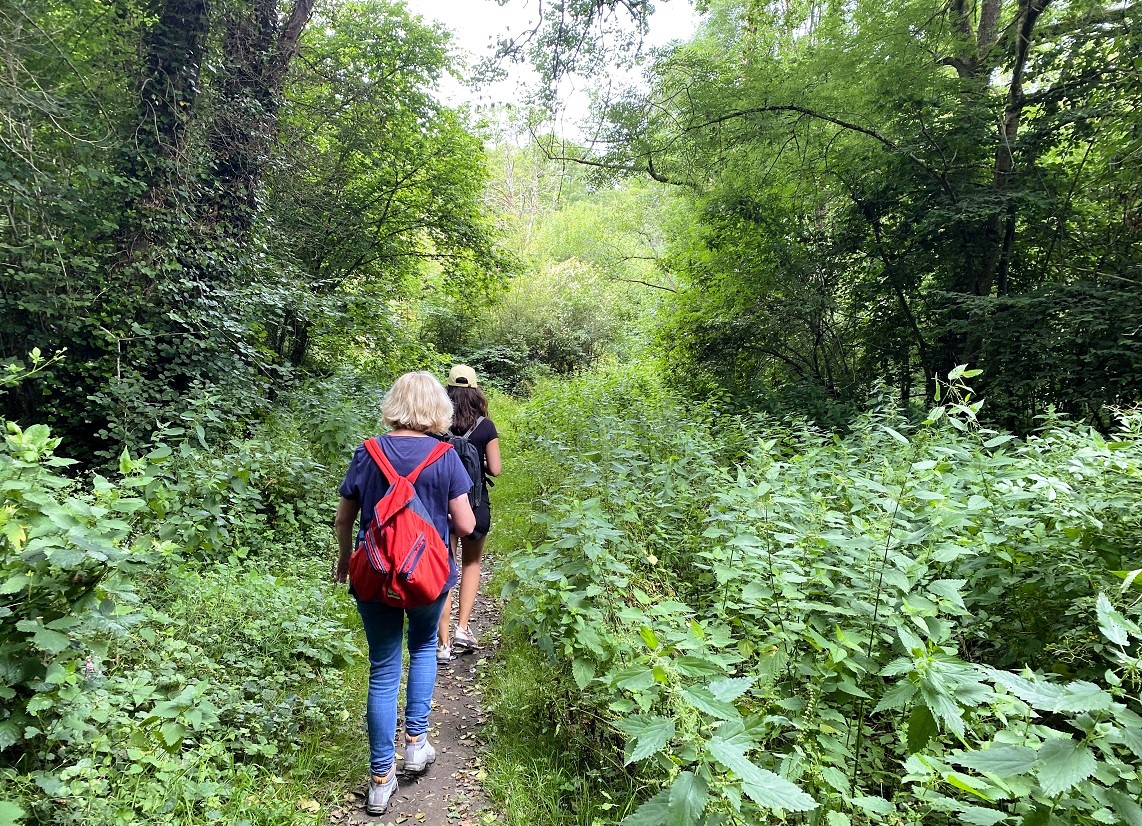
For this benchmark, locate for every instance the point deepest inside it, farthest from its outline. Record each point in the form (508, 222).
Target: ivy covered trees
(194, 192)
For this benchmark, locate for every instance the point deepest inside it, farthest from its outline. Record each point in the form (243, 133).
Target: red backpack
(402, 561)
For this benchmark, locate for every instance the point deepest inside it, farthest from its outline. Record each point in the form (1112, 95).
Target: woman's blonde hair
(417, 401)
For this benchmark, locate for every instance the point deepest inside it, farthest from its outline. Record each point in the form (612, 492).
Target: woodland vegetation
(850, 291)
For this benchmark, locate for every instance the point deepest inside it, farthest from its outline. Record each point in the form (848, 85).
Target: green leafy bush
(64, 565)
(779, 620)
(171, 648)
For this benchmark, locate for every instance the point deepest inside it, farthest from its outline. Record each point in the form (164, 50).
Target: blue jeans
(384, 628)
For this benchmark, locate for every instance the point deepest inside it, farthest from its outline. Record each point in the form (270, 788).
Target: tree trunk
(174, 47)
(257, 51)
(999, 234)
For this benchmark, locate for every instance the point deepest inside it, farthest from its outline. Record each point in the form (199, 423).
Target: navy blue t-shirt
(437, 485)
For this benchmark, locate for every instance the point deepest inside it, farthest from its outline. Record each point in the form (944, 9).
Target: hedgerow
(169, 648)
(914, 622)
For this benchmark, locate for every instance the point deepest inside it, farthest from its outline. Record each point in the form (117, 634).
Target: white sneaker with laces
(443, 653)
(464, 639)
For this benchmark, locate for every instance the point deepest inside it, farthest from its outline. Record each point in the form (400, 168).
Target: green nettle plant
(911, 623)
(152, 670)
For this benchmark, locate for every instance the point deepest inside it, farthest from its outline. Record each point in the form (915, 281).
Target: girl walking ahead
(470, 419)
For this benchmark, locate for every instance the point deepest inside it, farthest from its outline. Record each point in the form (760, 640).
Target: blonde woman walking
(415, 407)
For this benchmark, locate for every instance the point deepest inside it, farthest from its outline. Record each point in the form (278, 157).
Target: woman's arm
(343, 525)
(460, 512)
(492, 458)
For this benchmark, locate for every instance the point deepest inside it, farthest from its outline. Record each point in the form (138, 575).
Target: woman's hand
(343, 526)
(341, 570)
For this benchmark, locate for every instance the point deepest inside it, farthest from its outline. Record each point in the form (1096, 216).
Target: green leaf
(10, 814)
(1081, 696)
(979, 816)
(39, 702)
(1115, 627)
(1128, 578)
(653, 812)
(14, 583)
(762, 786)
(1125, 807)
(971, 785)
(9, 734)
(172, 732)
(1078, 696)
(874, 804)
(1005, 761)
(698, 667)
(836, 778)
(1131, 737)
(948, 589)
(896, 697)
(648, 637)
(730, 689)
(921, 728)
(688, 796)
(1037, 817)
(894, 434)
(51, 641)
(996, 441)
(635, 679)
(647, 734)
(1034, 691)
(703, 700)
(1061, 763)
(583, 670)
(742, 733)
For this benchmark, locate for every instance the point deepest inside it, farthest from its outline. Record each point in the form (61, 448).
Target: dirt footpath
(450, 793)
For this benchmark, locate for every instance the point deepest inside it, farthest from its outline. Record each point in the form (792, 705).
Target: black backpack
(470, 457)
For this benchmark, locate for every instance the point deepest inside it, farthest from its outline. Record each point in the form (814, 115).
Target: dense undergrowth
(540, 761)
(762, 622)
(170, 649)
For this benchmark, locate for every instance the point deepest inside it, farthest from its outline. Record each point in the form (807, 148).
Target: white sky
(478, 25)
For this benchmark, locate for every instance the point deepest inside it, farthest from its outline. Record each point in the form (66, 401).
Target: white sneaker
(418, 754)
(465, 640)
(443, 653)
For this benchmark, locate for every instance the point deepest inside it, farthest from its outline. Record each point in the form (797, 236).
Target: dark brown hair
(468, 405)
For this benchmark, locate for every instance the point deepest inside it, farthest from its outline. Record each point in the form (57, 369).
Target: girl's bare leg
(471, 552)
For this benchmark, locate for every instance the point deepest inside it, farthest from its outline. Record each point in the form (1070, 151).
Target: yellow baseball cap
(461, 375)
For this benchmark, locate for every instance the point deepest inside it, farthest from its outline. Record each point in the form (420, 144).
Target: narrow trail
(450, 793)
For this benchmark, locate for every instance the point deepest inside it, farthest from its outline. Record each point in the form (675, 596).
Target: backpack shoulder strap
(439, 450)
(378, 454)
(472, 429)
